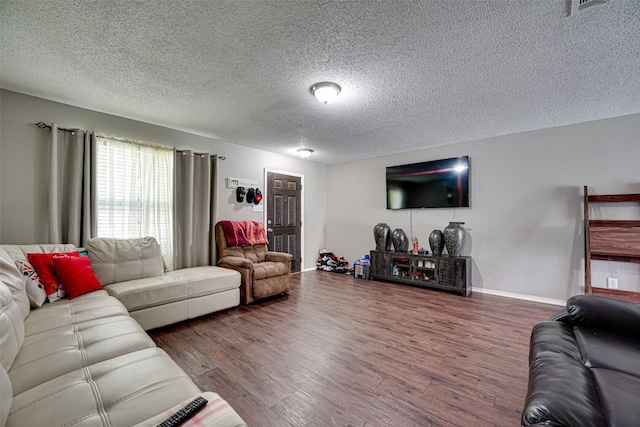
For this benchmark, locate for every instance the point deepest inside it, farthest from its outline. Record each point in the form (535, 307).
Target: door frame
(264, 213)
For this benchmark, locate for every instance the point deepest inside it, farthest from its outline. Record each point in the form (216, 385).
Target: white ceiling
(413, 73)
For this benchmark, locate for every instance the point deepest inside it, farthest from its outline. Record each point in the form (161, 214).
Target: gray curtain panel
(194, 192)
(72, 195)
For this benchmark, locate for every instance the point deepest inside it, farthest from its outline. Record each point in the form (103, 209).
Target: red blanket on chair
(244, 233)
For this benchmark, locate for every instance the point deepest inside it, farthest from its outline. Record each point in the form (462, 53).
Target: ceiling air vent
(578, 6)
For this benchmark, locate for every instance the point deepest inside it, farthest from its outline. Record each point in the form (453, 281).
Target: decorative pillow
(35, 289)
(43, 263)
(76, 275)
(120, 260)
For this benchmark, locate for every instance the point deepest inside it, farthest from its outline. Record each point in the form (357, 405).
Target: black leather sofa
(584, 366)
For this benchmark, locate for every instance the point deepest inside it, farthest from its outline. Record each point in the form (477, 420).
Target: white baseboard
(531, 298)
(520, 296)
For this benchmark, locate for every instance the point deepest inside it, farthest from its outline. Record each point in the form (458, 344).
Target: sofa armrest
(235, 262)
(245, 268)
(609, 314)
(561, 316)
(279, 257)
(561, 390)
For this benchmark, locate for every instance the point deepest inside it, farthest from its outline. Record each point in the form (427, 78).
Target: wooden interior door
(284, 222)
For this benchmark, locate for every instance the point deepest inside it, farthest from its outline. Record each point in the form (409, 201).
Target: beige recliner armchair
(243, 247)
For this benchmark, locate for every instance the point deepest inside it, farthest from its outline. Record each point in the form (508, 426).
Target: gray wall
(525, 230)
(24, 154)
(524, 225)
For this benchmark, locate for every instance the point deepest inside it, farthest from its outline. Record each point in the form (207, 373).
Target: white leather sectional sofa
(87, 361)
(132, 271)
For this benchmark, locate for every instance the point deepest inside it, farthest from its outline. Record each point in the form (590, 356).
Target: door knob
(270, 230)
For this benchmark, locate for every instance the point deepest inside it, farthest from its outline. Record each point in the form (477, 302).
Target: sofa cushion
(149, 292)
(11, 327)
(269, 269)
(121, 391)
(208, 279)
(16, 252)
(619, 396)
(254, 254)
(35, 290)
(177, 285)
(119, 260)
(54, 353)
(601, 349)
(91, 306)
(76, 275)
(605, 314)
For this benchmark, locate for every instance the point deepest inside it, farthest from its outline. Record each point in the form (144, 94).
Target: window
(135, 192)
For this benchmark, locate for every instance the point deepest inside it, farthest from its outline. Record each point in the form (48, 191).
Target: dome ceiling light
(305, 152)
(325, 92)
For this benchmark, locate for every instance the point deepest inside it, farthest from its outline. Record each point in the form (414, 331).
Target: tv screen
(434, 184)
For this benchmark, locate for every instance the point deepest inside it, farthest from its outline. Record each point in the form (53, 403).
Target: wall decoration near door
(240, 193)
(245, 190)
(284, 216)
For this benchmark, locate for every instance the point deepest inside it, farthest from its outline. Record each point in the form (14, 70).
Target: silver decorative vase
(400, 240)
(454, 236)
(382, 236)
(436, 242)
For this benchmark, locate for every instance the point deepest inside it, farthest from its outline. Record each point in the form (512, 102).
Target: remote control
(183, 414)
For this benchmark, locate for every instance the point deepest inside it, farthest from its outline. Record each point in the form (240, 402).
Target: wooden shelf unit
(610, 240)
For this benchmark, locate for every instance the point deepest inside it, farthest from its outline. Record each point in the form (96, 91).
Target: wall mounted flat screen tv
(433, 184)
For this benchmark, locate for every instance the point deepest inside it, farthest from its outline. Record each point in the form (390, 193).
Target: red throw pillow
(43, 263)
(76, 275)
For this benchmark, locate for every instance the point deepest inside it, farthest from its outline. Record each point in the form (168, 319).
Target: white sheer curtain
(135, 192)
(71, 186)
(195, 183)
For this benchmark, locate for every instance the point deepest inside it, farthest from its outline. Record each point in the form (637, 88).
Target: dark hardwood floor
(339, 351)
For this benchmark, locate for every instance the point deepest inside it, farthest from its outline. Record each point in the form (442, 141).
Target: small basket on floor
(361, 271)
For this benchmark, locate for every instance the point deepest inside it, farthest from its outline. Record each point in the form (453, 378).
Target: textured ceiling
(414, 73)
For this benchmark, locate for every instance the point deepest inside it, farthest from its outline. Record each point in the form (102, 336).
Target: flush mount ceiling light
(305, 152)
(325, 92)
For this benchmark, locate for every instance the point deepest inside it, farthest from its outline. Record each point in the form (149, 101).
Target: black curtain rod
(43, 125)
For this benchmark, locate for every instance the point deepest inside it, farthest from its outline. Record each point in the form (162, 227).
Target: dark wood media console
(428, 271)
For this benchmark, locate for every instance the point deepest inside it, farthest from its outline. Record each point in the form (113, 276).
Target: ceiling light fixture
(325, 92)
(305, 152)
